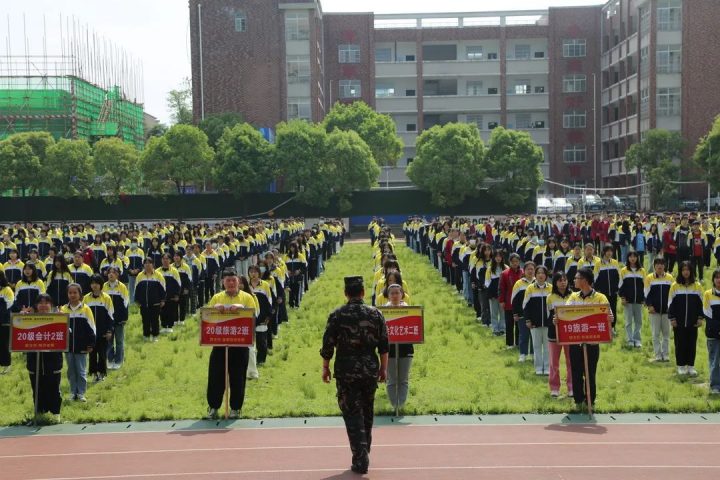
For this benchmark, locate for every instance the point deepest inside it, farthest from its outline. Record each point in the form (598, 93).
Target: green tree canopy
(303, 161)
(707, 154)
(70, 171)
(215, 125)
(354, 165)
(182, 157)
(117, 166)
(653, 158)
(23, 159)
(179, 103)
(244, 160)
(450, 163)
(513, 160)
(377, 130)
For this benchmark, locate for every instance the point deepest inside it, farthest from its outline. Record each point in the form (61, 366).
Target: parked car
(629, 203)
(690, 205)
(562, 205)
(593, 203)
(614, 204)
(544, 206)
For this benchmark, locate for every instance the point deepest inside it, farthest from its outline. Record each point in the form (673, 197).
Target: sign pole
(587, 381)
(227, 385)
(37, 387)
(397, 379)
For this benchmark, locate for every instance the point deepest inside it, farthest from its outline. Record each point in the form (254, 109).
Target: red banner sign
(583, 324)
(404, 324)
(39, 332)
(227, 329)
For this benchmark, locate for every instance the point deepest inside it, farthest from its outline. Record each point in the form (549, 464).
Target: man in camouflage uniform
(356, 330)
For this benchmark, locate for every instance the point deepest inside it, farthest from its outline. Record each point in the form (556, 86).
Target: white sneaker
(212, 413)
(715, 391)
(554, 393)
(81, 398)
(147, 339)
(154, 339)
(522, 358)
(691, 371)
(538, 372)
(682, 370)
(169, 330)
(234, 414)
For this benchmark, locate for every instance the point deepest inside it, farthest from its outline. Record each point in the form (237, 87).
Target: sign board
(227, 329)
(583, 324)
(404, 324)
(39, 332)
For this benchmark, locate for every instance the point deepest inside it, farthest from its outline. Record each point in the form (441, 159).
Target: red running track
(536, 452)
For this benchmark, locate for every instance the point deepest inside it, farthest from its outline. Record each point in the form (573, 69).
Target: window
(298, 108)
(349, 88)
(644, 20)
(410, 127)
(644, 100)
(669, 16)
(523, 121)
(522, 87)
(383, 54)
(668, 101)
(298, 68)
(574, 83)
(492, 56)
(349, 53)
(492, 91)
(410, 93)
(669, 58)
(474, 53)
(474, 88)
(574, 119)
(240, 22)
(574, 186)
(539, 54)
(384, 90)
(522, 52)
(574, 47)
(574, 153)
(297, 26)
(474, 119)
(644, 61)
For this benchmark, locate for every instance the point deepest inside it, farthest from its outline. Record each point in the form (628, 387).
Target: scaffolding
(89, 89)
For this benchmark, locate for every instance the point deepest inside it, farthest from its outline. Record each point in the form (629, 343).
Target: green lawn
(461, 368)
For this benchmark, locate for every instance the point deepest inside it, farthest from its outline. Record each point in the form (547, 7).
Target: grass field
(461, 368)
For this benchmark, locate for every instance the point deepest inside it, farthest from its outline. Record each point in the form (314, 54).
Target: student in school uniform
(28, 288)
(607, 278)
(150, 295)
(632, 294)
(657, 293)
(517, 298)
(120, 296)
(102, 308)
(398, 368)
(81, 272)
(173, 286)
(186, 274)
(82, 341)
(264, 295)
(559, 296)
(13, 268)
(537, 318)
(7, 300)
(58, 280)
(685, 313)
(492, 284)
(711, 311)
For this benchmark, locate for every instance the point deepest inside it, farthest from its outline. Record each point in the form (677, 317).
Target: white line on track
(344, 446)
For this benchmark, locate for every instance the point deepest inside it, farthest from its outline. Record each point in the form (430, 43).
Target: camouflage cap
(355, 281)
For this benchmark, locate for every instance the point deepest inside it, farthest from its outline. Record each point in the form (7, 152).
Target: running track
(537, 451)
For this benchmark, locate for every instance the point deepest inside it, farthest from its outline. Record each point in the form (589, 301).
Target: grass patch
(461, 368)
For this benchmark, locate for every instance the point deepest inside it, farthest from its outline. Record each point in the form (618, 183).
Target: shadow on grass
(578, 424)
(344, 475)
(204, 427)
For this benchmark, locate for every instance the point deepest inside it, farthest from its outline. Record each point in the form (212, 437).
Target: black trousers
(512, 332)
(5, 357)
(237, 369)
(697, 264)
(150, 320)
(356, 400)
(209, 288)
(98, 357)
(193, 299)
(577, 365)
(294, 283)
(670, 259)
(261, 346)
(201, 300)
(49, 399)
(685, 339)
(459, 278)
(613, 299)
(183, 307)
(169, 313)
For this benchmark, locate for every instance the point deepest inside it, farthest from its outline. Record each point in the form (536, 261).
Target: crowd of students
(514, 270)
(169, 270)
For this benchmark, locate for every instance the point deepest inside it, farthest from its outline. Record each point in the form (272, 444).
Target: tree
(300, 149)
(513, 160)
(659, 148)
(662, 193)
(244, 160)
(70, 171)
(117, 167)
(181, 157)
(450, 163)
(707, 154)
(23, 159)
(377, 130)
(179, 103)
(354, 165)
(156, 131)
(215, 125)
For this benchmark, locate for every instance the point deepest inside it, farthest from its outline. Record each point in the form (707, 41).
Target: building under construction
(89, 89)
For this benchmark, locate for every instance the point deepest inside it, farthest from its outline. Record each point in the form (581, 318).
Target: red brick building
(585, 82)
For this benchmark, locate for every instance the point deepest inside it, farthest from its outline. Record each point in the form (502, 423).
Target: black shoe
(361, 469)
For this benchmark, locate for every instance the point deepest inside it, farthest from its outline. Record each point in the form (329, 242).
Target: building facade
(585, 82)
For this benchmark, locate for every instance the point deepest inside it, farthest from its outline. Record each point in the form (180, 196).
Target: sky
(156, 32)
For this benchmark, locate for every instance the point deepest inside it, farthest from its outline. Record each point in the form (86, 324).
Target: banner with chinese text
(227, 329)
(404, 324)
(39, 332)
(583, 324)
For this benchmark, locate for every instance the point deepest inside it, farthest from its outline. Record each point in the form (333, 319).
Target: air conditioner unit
(492, 91)
(539, 89)
(538, 124)
(492, 125)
